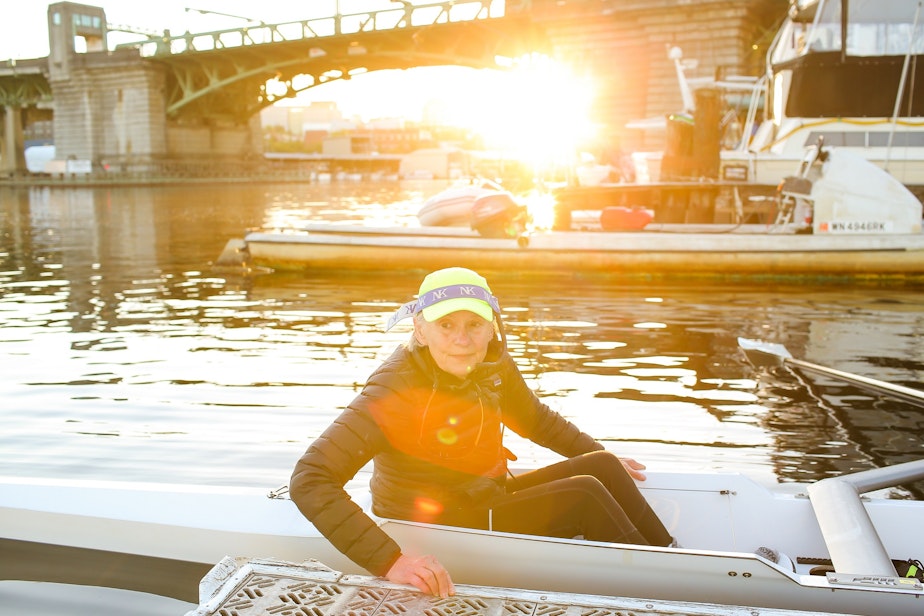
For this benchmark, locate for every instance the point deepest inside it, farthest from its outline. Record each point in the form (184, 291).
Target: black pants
(590, 495)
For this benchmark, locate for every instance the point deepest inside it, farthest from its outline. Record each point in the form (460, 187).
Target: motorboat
(453, 206)
(842, 544)
(863, 96)
(836, 545)
(839, 216)
(848, 78)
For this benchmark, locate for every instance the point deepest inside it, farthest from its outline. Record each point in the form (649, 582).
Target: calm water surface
(125, 356)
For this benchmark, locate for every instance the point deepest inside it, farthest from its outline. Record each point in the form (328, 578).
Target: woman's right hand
(424, 572)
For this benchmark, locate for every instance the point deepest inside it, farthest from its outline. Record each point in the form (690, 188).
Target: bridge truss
(230, 75)
(23, 83)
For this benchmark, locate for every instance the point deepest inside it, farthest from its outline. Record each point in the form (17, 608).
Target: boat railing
(852, 540)
(758, 96)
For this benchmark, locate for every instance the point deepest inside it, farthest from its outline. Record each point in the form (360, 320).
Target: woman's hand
(424, 572)
(634, 468)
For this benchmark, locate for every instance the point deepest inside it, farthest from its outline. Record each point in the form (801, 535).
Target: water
(126, 357)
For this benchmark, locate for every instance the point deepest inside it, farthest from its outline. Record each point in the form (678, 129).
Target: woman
(432, 417)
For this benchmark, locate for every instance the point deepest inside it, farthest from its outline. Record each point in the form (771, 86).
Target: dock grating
(257, 587)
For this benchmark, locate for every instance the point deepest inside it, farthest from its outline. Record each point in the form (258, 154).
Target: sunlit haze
(535, 110)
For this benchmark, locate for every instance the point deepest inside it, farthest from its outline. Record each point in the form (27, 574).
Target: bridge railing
(407, 15)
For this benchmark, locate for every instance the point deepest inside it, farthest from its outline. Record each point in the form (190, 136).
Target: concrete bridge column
(109, 107)
(12, 146)
(111, 112)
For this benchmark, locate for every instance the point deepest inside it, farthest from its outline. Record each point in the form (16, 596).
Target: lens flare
(538, 111)
(427, 506)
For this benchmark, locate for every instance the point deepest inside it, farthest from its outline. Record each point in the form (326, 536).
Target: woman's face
(457, 341)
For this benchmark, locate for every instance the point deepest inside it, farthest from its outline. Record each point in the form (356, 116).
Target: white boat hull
(675, 252)
(719, 520)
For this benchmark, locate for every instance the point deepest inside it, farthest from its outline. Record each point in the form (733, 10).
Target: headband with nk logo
(435, 296)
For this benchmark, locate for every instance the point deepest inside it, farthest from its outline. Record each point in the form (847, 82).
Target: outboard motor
(498, 215)
(795, 202)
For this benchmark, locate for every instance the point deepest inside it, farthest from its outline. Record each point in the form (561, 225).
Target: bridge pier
(12, 146)
(107, 104)
(204, 142)
(110, 108)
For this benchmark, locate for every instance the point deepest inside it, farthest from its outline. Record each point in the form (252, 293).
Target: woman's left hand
(634, 468)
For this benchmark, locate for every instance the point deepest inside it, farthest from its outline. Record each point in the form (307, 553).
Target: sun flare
(538, 110)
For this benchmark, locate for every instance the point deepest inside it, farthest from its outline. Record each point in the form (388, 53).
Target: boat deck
(256, 587)
(709, 202)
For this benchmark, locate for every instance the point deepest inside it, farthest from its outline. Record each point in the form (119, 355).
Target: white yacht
(865, 95)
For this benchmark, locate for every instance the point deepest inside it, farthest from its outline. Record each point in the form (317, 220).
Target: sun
(537, 110)
(540, 110)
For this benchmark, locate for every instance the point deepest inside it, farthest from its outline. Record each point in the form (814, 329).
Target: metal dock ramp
(257, 587)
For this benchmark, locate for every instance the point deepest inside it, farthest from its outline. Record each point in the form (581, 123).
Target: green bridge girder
(222, 76)
(230, 83)
(23, 83)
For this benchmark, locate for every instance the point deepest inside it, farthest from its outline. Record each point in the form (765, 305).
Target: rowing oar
(769, 353)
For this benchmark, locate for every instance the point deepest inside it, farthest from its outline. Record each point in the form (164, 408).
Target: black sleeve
(317, 488)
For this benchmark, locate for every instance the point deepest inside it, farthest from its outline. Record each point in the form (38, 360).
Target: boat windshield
(874, 28)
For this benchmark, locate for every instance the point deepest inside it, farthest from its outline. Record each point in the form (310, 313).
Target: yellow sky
(521, 107)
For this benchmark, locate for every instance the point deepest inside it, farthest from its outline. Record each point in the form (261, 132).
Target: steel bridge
(230, 75)
(235, 73)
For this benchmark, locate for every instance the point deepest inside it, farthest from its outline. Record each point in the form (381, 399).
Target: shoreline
(98, 182)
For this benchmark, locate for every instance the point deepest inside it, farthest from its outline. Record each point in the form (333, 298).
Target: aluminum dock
(257, 587)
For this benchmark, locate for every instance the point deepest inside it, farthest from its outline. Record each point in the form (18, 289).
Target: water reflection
(126, 357)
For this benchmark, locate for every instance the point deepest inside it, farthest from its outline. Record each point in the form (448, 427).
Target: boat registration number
(855, 226)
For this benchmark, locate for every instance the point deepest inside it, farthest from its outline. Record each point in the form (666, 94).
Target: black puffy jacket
(437, 445)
